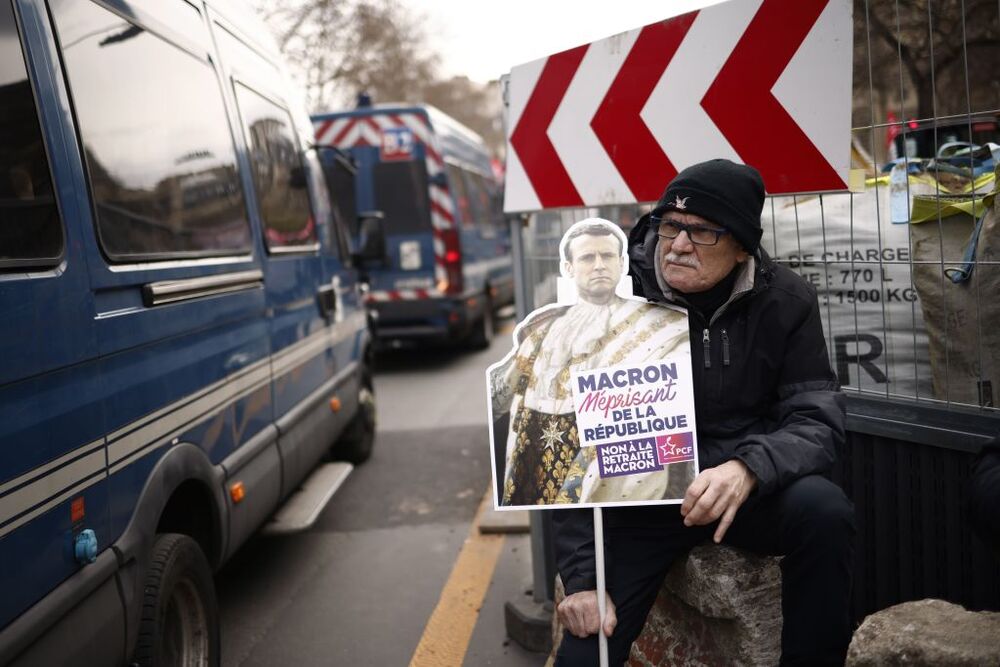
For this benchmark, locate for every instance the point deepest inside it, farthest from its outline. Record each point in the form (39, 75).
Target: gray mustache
(683, 260)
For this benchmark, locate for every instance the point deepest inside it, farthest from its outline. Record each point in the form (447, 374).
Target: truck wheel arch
(182, 476)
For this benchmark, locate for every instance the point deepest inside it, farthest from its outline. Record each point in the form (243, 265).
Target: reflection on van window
(401, 194)
(30, 232)
(162, 164)
(278, 175)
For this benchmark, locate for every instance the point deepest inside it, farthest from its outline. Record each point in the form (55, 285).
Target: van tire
(358, 439)
(482, 334)
(179, 623)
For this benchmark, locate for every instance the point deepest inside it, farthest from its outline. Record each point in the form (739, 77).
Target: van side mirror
(371, 242)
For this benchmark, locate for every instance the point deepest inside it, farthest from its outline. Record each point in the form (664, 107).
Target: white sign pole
(602, 607)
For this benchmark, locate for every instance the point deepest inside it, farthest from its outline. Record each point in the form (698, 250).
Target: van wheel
(358, 440)
(482, 334)
(180, 615)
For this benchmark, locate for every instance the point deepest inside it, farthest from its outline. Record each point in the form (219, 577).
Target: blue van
(448, 265)
(182, 333)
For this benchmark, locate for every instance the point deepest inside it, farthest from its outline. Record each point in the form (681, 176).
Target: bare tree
(340, 48)
(928, 57)
(476, 105)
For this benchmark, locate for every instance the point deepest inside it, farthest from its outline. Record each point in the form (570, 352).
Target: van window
(30, 230)
(158, 147)
(479, 201)
(461, 195)
(401, 193)
(278, 175)
(341, 180)
(485, 204)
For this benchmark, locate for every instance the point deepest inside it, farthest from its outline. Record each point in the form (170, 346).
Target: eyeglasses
(671, 229)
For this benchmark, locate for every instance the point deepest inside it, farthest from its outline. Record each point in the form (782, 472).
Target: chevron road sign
(765, 82)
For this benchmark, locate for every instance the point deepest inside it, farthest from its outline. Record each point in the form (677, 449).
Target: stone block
(529, 623)
(718, 605)
(926, 632)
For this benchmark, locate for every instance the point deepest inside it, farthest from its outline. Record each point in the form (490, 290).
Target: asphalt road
(359, 587)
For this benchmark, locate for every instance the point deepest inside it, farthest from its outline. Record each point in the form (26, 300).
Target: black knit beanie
(727, 193)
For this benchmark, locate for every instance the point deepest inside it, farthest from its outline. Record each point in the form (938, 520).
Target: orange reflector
(335, 404)
(471, 303)
(237, 492)
(77, 510)
(453, 318)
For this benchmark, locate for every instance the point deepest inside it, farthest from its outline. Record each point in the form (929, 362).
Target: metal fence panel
(913, 541)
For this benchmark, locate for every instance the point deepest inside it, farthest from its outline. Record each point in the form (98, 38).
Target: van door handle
(327, 298)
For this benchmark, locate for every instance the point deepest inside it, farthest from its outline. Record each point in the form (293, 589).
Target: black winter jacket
(764, 390)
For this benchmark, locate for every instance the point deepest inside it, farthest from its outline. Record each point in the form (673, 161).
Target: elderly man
(545, 463)
(770, 417)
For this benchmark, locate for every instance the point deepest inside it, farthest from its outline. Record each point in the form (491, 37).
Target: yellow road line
(447, 633)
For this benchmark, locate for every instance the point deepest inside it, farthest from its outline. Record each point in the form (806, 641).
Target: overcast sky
(483, 40)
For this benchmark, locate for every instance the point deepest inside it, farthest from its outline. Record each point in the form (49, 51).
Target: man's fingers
(610, 618)
(727, 520)
(593, 624)
(722, 503)
(584, 624)
(700, 514)
(693, 493)
(569, 617)
(579, 614)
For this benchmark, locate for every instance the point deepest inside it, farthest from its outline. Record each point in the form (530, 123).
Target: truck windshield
(401, 194)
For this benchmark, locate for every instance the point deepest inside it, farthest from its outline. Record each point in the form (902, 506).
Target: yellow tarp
(974, 201)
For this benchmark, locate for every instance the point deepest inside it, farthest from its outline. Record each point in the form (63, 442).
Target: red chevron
(530, 140)
(631, 146)
(339, 139)
(742, 105)
(323, 127)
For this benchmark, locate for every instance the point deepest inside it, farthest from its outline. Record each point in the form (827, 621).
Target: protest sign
(635, 417)
(594, 406)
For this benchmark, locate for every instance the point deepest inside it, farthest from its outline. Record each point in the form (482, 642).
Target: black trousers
(810, 523)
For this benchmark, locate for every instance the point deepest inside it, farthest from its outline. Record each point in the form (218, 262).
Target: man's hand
(717, 492)
(578, 613)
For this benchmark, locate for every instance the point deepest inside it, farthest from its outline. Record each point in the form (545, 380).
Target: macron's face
(595, 267)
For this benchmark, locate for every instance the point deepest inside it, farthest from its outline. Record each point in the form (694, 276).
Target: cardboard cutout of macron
(594, 405)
